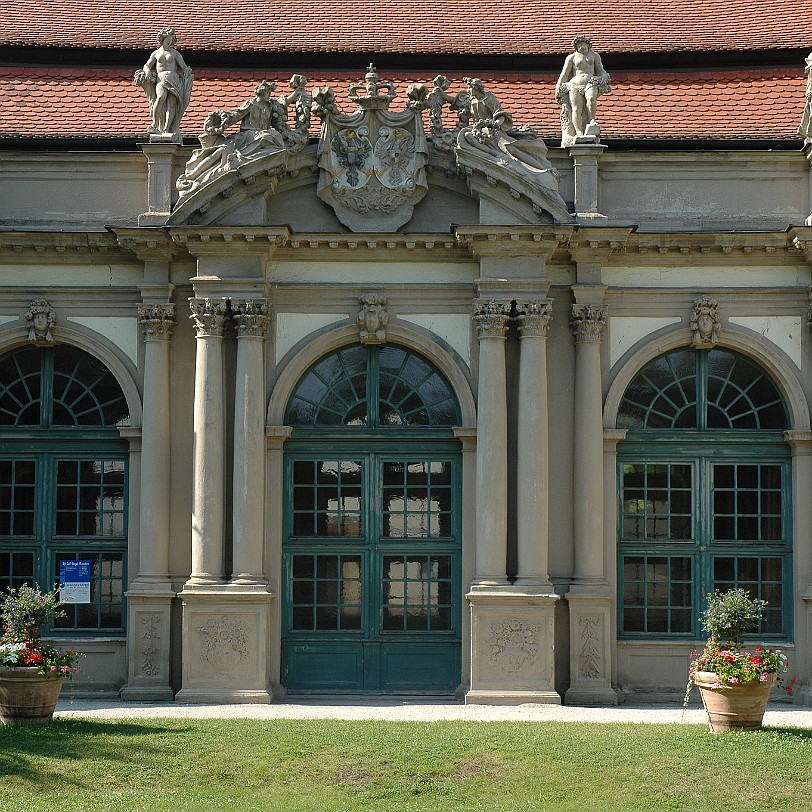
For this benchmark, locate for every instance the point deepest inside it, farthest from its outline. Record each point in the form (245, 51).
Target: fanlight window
(376, 386)
(63, 386)
(686, 389)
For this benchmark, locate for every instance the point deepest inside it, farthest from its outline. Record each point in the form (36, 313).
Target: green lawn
(329, 765)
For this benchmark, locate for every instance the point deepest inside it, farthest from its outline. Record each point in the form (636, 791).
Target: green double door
(371, 569)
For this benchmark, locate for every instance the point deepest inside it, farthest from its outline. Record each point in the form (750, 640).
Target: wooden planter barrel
(733, 707)
(27, 697)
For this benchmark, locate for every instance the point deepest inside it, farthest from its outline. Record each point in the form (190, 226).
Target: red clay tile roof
(419, 26)
(759, 103)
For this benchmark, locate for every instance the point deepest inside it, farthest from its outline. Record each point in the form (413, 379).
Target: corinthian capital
(588, 323)
(208, 316)
(157, 321)
(491, 317)
(250, 316)
(534, 317)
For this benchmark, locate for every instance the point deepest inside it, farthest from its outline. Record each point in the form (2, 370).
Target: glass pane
(20, 387)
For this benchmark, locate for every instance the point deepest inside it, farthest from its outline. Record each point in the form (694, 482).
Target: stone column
(209, 438)
(251, 318)
(491, 319)
(801, 666)
(589, 597)
(150, 595)
(532, 502)
(588, 323)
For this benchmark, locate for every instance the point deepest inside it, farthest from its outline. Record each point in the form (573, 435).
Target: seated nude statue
(582, 80)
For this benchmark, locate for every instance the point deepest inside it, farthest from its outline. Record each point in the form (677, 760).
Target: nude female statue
(805, 130)
(582, 80)
(167, 81)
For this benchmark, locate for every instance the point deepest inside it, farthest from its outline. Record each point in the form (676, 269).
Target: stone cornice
(596, 244)
(512, 241)
(360, 246)
(148, 244)
(801, 239)
(777, 244)
(209, 241)
(65, 246)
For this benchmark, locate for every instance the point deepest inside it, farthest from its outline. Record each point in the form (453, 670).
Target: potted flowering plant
(32, 670)
(735, 683)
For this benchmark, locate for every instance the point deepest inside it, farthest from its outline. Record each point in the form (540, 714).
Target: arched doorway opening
(704, 494)
(63, 479)
(372, 586)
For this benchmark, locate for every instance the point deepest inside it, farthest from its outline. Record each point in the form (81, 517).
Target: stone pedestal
(226, 638)
(585, 165)
(160, 187)
(512, 646)
(149, 638)
(590, 650)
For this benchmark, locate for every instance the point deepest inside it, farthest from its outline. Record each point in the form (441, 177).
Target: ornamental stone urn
(733, 707)
(26, 696)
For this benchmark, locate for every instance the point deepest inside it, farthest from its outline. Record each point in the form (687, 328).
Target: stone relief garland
(224, 644)
(513, 643)
(590, 665)
(149, 648)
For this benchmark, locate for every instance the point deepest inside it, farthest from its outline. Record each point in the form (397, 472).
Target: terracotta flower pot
(733, 707)
(27, 697)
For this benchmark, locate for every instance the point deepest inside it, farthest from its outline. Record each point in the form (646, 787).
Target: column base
(590, 646)
(149, 607)
(226, 644)
(223, 696)
(512, 647)
(512, 698)
(803, 696)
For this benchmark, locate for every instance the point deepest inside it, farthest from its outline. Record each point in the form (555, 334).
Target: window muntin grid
(657, 501)
(372, 386)
(762, 577)
(747, 503)
(704, 390)
(17, 497)
(417, 499)
(17, 567)
(90, 497)
(326, 592)
(657, 594)
(416, 593)
(327, 498)
(58, 386)
(106, 607)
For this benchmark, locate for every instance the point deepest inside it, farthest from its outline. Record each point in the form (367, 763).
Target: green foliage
(24, 612)
(184, 765)
(730, 614)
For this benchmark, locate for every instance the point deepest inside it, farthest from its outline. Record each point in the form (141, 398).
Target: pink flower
(734, 680)
(53, 668)
(715, 685)
(763, 678)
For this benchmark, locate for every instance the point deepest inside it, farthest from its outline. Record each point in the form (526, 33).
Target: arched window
(63, 478)
(376, 386)
(704, 480)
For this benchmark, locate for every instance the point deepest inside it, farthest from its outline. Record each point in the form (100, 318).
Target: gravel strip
(391, 710)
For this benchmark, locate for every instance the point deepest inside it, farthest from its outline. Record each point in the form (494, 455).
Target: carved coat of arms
(372, 162)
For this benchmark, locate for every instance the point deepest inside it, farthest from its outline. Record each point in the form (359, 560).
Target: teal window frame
(100, 533)
(655, 596)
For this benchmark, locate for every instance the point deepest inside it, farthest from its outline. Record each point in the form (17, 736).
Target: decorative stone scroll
(264, 130)
(167, 81)
(372, 162)
(491, 317)
(588, 323)
(250, 316)
(372, 319)
(805, 128)
(582, 80)
(705, 324)
(157, 321)
(208, 316)
(149, 645)
(40, 319)
(513, 643)
(534, 317)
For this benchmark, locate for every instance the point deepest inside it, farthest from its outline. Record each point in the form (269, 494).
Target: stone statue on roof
(167, 81)
(264, 130)
(805, 129)
(492, 145)
(582, 80)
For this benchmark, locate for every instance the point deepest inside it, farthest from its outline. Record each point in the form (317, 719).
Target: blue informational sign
(74, 581)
